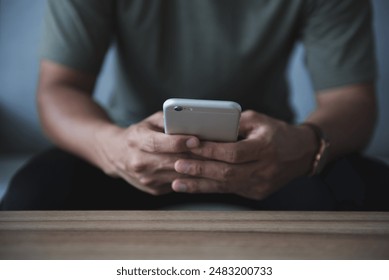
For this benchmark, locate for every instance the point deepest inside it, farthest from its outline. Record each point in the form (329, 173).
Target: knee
(24, 190)
(36, 186)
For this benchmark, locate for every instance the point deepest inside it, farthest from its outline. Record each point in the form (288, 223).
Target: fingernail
(192, 143)
(182, 167)
(180, 187)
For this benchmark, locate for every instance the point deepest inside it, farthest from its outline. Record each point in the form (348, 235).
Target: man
(228, 50)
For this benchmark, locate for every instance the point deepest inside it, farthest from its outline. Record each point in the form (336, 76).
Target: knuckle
(175, 145)
(238, 155)
(138, 166)
(208, 152)
(266, 136)
(133, 134)
(130, 135)
(198, 169)
(270, 173)
(228, 172)
(192, 186)
(111, 169)
(251, 113)
(111, 172)
(154, 192)
(148, 182)
(191, 189)
(232, 156)
(152, 144)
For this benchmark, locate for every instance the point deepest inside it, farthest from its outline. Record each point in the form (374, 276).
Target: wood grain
(193, 235)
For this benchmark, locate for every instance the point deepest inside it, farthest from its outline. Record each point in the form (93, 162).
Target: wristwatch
(324, 145)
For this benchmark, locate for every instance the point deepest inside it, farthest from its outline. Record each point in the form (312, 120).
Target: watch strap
(320, 158)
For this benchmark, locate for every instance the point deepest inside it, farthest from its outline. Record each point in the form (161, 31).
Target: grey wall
(20, 25)
(20, 32)
(380, 144)
(21, 22)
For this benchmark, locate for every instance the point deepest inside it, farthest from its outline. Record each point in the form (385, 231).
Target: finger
(156, 120)
(164, 162)
(243, 151)
(214, 170)
(159, 178)
(198, 186)
(148, 163)
(255, 125)
(163, 143)
(209, 186)
(157, 189)
(152, 169)
(149, 139)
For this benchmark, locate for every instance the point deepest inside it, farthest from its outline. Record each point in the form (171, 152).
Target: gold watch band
(321, 155)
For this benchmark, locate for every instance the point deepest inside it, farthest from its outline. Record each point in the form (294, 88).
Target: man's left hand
(271, 154)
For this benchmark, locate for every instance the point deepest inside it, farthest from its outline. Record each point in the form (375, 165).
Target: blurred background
(21, 22)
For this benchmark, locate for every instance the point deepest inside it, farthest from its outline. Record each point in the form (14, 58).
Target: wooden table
(193, 235)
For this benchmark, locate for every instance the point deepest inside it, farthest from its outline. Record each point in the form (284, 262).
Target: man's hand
(271, 154)
(143, 155)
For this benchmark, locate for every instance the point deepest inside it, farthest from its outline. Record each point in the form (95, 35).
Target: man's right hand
(143, 155)
(140, 154)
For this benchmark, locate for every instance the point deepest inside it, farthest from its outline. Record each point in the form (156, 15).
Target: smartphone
(210, 120)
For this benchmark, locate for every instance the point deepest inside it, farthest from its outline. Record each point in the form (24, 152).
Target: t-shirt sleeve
(339, 43)
(77, 33)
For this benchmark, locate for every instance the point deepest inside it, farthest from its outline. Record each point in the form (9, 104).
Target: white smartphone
(210, 120)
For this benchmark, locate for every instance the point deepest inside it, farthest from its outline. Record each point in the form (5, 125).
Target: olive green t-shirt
(211, 49)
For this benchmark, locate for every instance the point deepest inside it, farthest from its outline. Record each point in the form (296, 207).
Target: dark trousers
(57, 180)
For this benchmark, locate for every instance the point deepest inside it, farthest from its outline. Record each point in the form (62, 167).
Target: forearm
(347, 116)
(69, 115)
(73, 121)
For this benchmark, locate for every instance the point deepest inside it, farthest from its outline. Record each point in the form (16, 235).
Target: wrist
(308, 147)
(105, 138)
(320, 158)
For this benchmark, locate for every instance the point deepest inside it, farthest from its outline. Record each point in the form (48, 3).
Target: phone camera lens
(178, 108)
